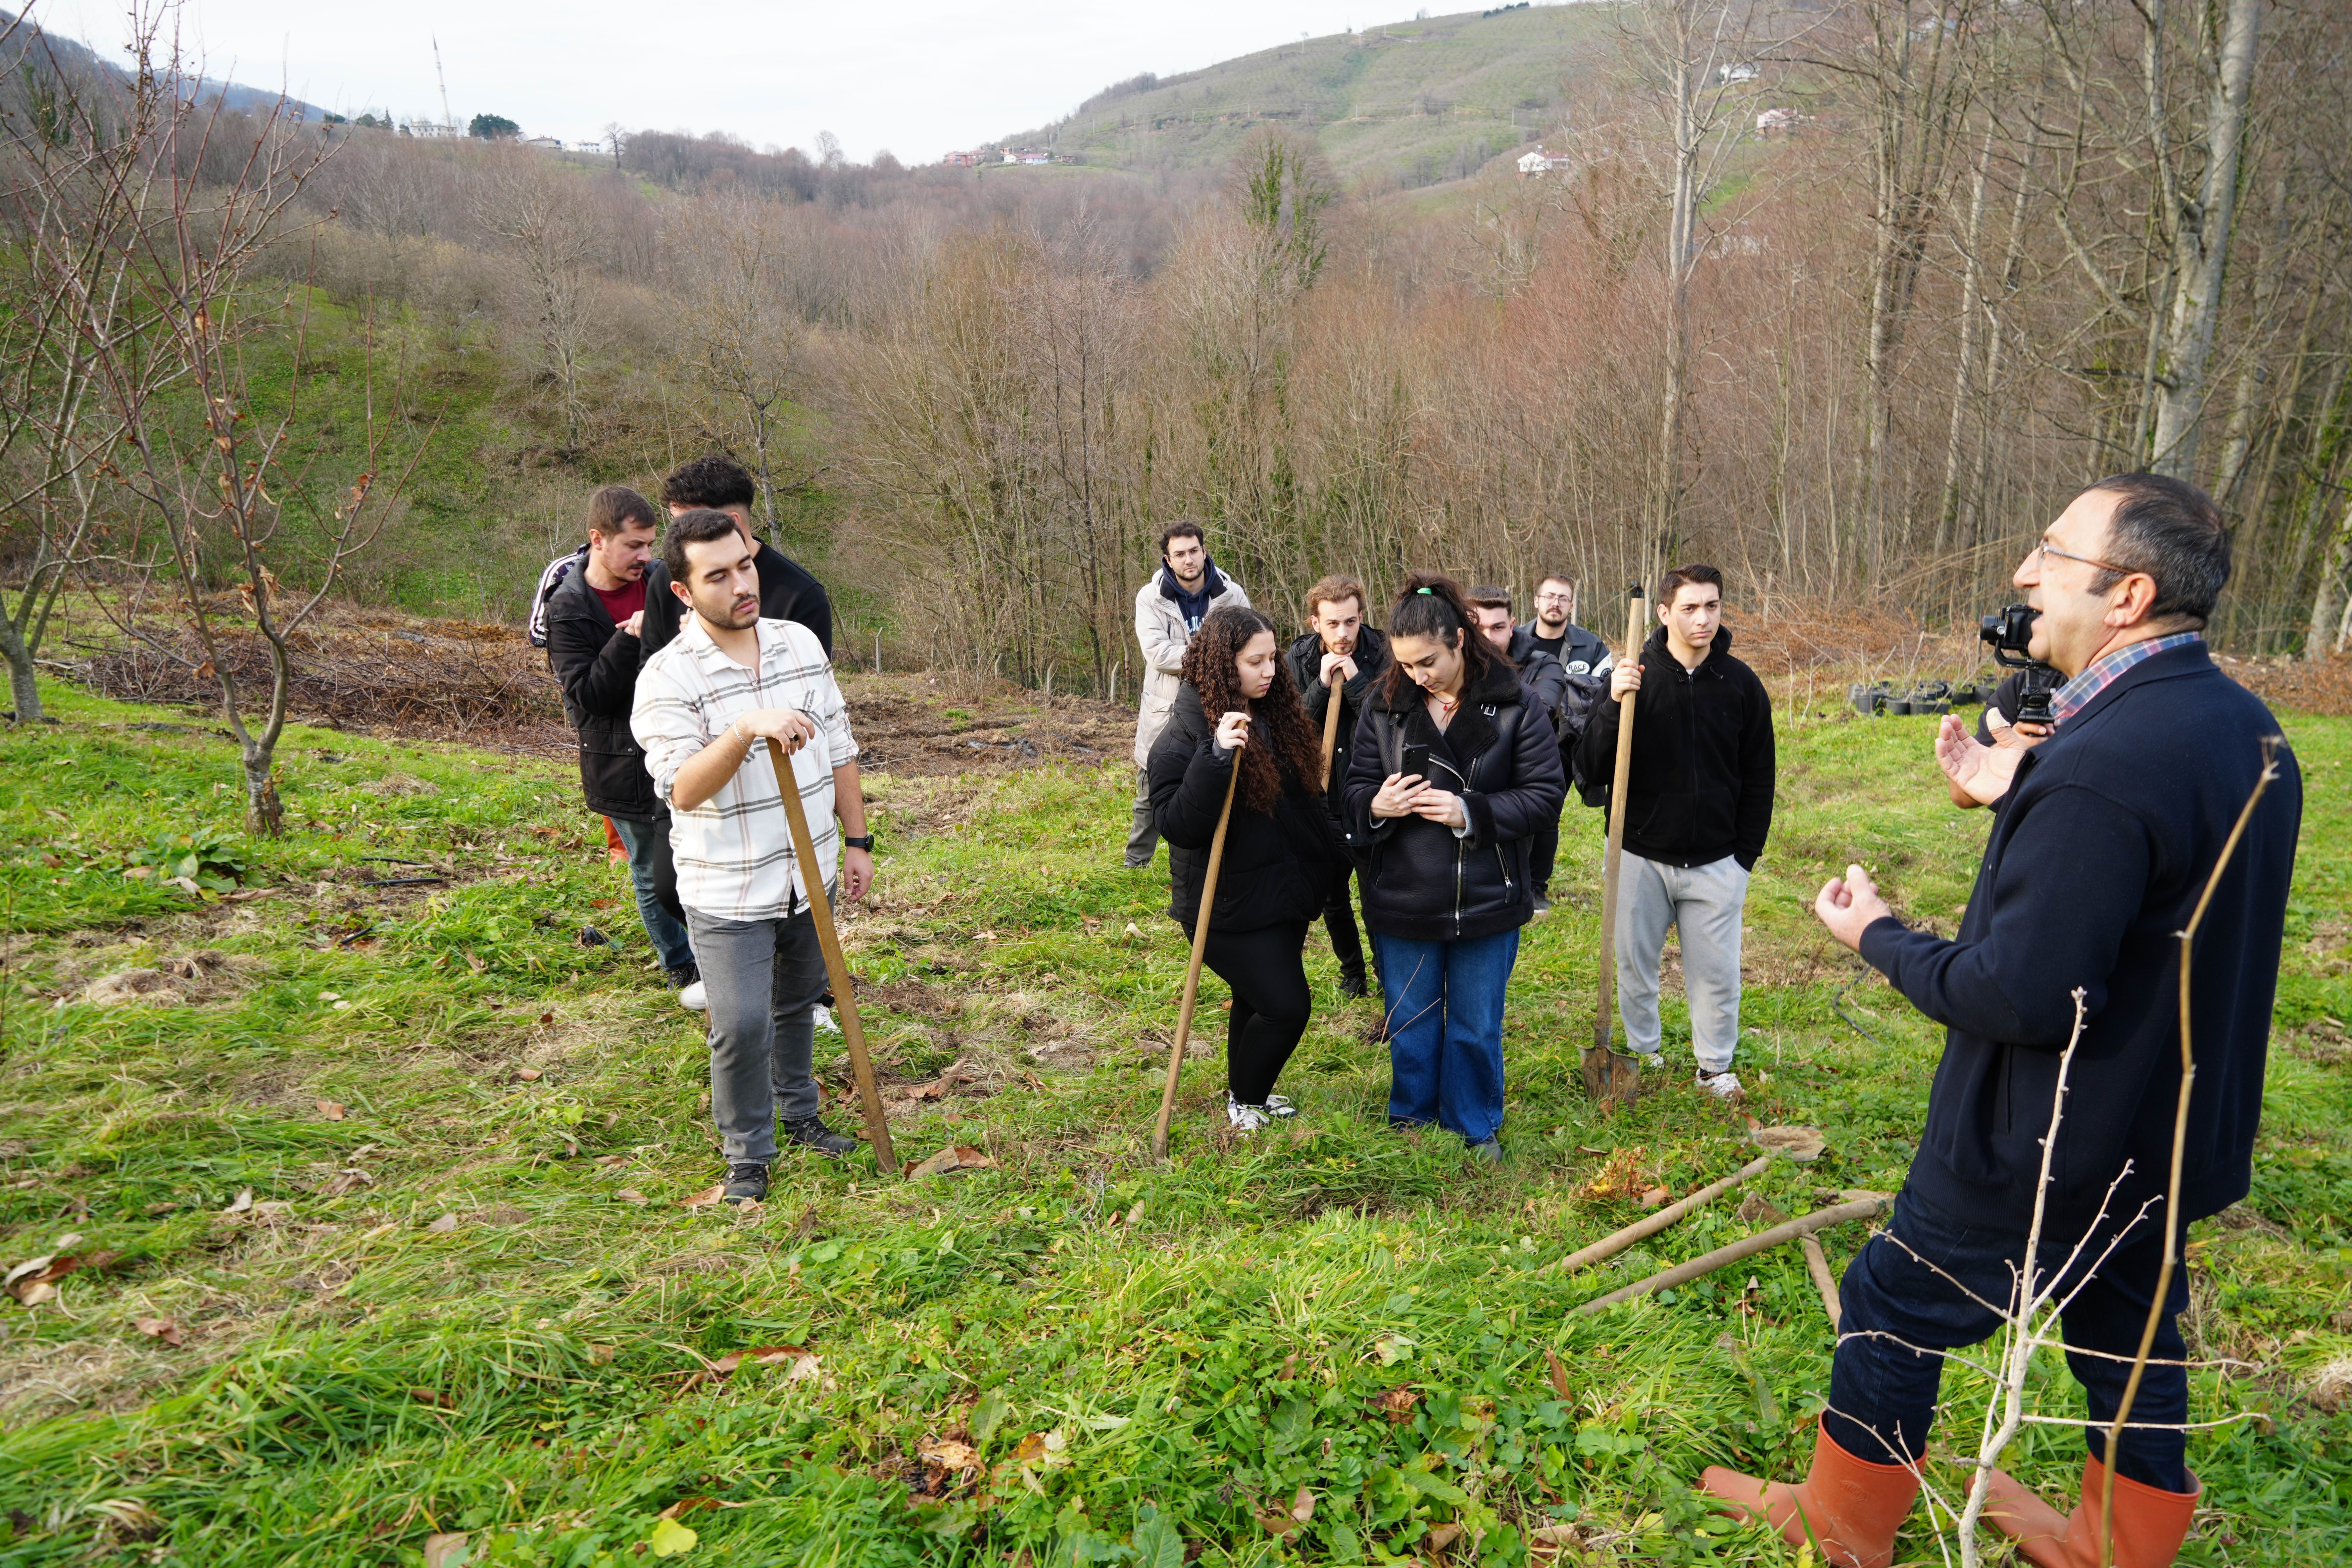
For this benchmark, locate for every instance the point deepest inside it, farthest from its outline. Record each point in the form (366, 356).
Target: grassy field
(380, 1195)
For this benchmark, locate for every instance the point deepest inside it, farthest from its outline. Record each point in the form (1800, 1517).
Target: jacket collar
(1717, 651)
(2183, 659)
(1213, 583)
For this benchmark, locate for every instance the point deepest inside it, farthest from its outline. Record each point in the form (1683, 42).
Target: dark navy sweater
(2097, 857)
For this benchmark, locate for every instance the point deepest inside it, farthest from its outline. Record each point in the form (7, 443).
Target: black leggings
(1271, 1003)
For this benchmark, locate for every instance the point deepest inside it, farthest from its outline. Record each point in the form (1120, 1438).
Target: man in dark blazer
(2104, 837)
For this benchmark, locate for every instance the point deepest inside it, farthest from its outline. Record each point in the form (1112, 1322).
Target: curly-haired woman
(1449, 888)
(1280, 856)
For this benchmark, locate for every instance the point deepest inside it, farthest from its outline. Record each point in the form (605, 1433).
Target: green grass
(1144, 1358)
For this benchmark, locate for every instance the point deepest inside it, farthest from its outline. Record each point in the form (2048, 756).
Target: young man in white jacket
(1167, 610)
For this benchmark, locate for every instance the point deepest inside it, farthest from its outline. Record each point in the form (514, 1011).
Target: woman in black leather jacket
(1281, 854)
(1448, 887)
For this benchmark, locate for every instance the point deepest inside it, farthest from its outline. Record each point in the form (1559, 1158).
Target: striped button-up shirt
(734, 851)
(2100, 673)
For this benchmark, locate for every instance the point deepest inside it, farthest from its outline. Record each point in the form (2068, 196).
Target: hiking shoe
(1724, 1085)
(1543, 903)
(1279, 1107)
(1246, 1119)
(746, 1184)
(813, 1133)
(1490, 1152)
(1351, 981)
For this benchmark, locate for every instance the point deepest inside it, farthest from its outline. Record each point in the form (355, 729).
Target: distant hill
(31, 47)
(1424, 100)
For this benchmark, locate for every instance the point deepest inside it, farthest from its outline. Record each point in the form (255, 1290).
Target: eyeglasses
(2046, 549)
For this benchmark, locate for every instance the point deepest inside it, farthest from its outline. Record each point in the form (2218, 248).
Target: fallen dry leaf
(1442, 1536)
(1558, 1374)
(428, 1396)
(1802, 1145)
(611, 1161)
(162, 1329)
(602, 1355)
(447, 1222)
(529, 1075)
(1655, 1196)
(688, 1504)
(948, 1454)
(949, 1160)
(442, 1551)
(1302, 1507)
(240, 1204)
(331, 1110)
(704, 1198)
(1397, 1402)
(631, 1196)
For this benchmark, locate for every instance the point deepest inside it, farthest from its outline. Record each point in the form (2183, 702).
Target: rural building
(1535, 164)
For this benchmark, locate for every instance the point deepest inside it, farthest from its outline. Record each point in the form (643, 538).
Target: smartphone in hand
(1416, 760)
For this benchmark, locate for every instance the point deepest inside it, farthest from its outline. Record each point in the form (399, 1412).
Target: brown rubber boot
(1850, 1508)
(2150, 1524)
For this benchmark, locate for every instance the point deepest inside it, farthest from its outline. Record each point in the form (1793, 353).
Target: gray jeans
(763, 979)
(1145, 838)
(1705, 902)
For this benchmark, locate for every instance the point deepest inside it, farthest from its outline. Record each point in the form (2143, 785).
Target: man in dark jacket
(1338, 646)
(1698, 805)
(1542, 674)
(2104, 839)
(595, 619)
(1554, 630)
(787, 591)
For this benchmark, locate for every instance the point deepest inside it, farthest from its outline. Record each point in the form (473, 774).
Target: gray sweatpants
(1705, 902)
(1145, 837)
(762, 980)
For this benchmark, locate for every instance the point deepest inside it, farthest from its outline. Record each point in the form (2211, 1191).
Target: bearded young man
(707, 706)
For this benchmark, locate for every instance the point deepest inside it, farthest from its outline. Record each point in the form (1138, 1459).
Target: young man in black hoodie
(1339, 651)
(2104, 837)
(1698, 805)
(595, 619)
(1546, 679)
(787, 591)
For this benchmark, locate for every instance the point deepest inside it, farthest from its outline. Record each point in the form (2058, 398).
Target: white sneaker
(1724, 1085)
(1247, 1118)
(822, 1016)
(694, 999)
(1279, 1107)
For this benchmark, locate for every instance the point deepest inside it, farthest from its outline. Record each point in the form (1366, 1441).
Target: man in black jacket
(787, 591)
(1546, 680)
(595, 619)
(2104, 839)
(1338, 645)
(1554, 630)
(1698, 807)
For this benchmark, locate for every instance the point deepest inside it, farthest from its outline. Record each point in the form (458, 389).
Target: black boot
(813, 1133)
(746, 1184)
(1351, 980)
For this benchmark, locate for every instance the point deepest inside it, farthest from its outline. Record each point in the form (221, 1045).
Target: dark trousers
(1882, 1390)
(653, 876)
(1271, 1003)
(1339, 923)
(1541, 854)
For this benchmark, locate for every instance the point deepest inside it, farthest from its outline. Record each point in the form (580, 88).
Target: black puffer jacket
(1306, 657)
(597, 664)
(1278, 865)
(1701, 786)
(1423, 883)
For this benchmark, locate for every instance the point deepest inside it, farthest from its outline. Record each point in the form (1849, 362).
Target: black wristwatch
(865, 843)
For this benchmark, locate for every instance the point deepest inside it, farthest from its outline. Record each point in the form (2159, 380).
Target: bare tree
(536, 211)
(745, 331)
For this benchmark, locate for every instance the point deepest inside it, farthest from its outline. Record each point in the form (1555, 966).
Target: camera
(2010, 633)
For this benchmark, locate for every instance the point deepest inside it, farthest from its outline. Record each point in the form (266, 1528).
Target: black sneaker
(1543, 903)
(814, 1134)
(746, 1184)
(684, 975)
(1351, 981)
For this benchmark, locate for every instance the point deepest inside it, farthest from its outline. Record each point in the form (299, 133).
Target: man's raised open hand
(1981, 772)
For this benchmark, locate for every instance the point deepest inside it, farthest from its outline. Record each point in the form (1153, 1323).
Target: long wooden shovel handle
(1192, 970)
(1635, 617)
(1330, 731)
(836, 968)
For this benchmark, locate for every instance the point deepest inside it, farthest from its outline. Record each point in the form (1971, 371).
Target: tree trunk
(24, 693)
(2201, 247)
(1964, 372)
(2321, 633)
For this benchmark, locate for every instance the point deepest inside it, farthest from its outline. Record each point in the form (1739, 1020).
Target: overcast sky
(917, 76)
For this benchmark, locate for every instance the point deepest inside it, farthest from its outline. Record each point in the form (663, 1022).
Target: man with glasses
(2104, 837)
(1554, 630)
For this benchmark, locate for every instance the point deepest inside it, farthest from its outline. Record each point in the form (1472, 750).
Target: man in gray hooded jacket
(1167, 610)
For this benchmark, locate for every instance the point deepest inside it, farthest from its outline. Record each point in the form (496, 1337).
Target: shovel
(1611, 1076)
(1192, 970)
(836, 968)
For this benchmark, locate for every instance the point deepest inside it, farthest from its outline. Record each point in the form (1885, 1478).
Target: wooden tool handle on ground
(1192, 970)
(836, 968)
(1600, 1070)
(1330, 734)
(1618, 1241)
(1762, 1241)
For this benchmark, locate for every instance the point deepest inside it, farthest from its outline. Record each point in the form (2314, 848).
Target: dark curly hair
(716, 481)
(1431, 605)
(1281, 740)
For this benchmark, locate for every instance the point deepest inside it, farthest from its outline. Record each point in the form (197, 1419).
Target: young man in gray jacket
(1167, 610)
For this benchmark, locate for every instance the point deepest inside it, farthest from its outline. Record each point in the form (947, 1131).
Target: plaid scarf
(2101, 672)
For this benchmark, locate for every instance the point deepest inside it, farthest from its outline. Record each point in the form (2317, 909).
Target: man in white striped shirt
(706, 705)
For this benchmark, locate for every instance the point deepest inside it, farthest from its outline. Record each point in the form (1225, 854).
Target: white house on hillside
(1537, 163)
